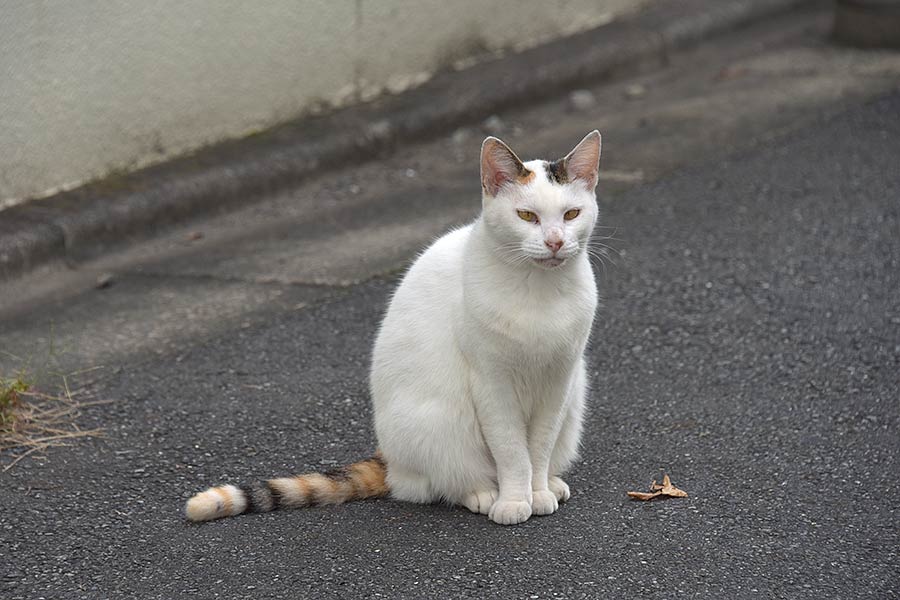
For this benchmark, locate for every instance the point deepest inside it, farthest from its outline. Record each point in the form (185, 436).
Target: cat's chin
(549, 263)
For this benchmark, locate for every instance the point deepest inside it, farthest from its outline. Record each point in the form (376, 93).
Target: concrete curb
(868, 23)
(87, 221)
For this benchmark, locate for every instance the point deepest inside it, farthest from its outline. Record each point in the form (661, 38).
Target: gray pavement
(748, 345)
(750, 348)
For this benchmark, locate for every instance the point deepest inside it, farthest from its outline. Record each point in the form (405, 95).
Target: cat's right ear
(499, 166)
(583, 162)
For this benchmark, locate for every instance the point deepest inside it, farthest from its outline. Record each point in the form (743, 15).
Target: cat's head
(538, 212)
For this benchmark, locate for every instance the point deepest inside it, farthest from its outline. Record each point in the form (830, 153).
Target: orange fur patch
(523, 179)
(370, 477)
(303, 489)
(322, 489)
(290, 490)
(227, 504)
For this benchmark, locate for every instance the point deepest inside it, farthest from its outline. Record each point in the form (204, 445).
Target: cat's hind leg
(410, 486)
(559, 488)
(480, 502)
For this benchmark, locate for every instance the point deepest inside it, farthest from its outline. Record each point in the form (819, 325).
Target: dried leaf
(670, 490)
(664, 489)
(644, 495)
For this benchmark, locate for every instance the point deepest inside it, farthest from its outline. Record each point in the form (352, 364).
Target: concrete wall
(89, 87)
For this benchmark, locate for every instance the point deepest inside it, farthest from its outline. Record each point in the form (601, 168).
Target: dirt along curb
(87, 221)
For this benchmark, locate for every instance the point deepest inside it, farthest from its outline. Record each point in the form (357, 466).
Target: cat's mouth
(550, 263)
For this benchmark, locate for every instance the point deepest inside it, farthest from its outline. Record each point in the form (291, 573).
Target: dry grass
(32, 420)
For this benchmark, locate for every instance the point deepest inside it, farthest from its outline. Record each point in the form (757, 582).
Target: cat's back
(417, 329)
(430, 290)
(445, 255)
(437, 272)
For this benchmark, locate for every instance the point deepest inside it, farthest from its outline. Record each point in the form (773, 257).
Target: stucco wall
(88, 87)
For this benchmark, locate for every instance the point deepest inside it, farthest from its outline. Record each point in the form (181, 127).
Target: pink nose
(554, 245)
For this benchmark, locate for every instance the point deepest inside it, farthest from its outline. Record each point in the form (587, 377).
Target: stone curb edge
(89, 220)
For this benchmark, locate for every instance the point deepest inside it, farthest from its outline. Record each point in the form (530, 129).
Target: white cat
(478, 378)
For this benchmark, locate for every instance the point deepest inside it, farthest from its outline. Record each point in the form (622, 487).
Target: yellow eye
(571, 214)
(527, 215)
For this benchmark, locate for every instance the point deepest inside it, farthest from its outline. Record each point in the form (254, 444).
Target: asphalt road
(748, 345)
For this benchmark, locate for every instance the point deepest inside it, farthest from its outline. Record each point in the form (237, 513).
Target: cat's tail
(364, 479)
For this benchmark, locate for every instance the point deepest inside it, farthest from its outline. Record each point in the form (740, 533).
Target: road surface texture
(748, 345)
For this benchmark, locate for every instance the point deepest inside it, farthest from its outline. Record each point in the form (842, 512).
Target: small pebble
(582, 100)
(104, 281)
(635, 91)
(461, 136)
(493, 125)
(380, 130)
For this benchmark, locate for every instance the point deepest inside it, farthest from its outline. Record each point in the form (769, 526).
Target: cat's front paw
(559, 488)
(544, 502)
(481, 501)
(510, 512)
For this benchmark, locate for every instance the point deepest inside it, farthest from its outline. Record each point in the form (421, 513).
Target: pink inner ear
(585, 173)
(583, 162)
(498, 179)
(498, 166)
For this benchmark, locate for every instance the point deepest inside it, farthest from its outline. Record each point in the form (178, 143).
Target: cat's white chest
(532, 325)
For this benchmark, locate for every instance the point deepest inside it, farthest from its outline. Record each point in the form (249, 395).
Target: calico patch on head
(556, 171)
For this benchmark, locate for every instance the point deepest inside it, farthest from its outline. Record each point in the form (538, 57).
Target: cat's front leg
(544, 499)
(543, 431)
(504, 430)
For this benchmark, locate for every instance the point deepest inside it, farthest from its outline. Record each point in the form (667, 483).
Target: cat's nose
(553, 244)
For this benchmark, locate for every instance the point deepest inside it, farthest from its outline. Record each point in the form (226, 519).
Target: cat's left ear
(583, 162)
(500, 166)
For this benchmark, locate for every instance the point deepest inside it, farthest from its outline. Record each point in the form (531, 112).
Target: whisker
(603, 257)
(604, 246)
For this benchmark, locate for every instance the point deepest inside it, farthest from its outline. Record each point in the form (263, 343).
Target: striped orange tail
(364, 479)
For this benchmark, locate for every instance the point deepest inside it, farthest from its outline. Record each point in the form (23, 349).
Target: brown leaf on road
(644, 495)
(664, 489)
